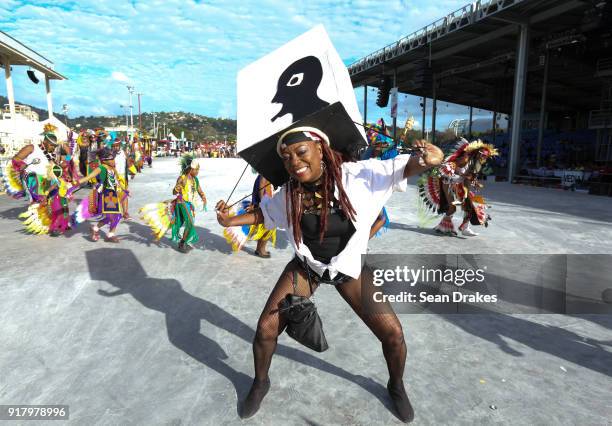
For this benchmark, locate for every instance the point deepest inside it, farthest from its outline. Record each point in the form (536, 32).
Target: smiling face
(302, 160)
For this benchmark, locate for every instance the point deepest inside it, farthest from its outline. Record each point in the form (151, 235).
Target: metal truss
(461, 18)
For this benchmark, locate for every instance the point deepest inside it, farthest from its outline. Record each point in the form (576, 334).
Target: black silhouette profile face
(297, 89)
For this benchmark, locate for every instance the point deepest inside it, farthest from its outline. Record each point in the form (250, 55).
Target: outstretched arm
(90, 176)
(430, 156)
(250, 218)
(23, 153)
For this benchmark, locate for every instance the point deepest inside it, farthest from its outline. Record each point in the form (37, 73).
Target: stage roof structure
(13, 52)
(471, 54)
(19, 54)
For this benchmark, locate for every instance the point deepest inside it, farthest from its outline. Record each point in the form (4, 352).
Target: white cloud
(183, 54)
(119, 76)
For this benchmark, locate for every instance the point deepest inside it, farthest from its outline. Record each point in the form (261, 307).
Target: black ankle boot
(401, 401)
(251, 404)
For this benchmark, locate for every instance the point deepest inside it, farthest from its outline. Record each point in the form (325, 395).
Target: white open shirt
(368, 185)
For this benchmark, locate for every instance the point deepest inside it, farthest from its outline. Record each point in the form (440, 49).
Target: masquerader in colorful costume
(383, 147)
(40, 171)
(238, 236)
(122, 173)
(179, 211)
(83, 145)
(61, 188)
(27, 173)
(454, 183)
(138, 157)
(105, 199)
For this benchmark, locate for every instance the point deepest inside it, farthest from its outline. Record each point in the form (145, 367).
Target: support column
(434, 110)
(542, 111)
(49, 98)
(518, 103)
(470, 123)
(10, 94)
(365, 104)
(424, 116)
(139, 114)
(397, 105)
(494, 126)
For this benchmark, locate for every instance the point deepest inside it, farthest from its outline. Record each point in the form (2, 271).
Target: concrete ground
(138, 333)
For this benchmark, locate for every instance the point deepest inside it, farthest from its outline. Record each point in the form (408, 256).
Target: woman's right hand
(223, 216)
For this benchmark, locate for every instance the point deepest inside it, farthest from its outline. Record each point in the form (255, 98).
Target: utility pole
(131, 90)
(139, 114)
(125, 108)
(154, 127)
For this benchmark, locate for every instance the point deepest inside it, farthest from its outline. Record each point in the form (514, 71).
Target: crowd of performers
(50, 172)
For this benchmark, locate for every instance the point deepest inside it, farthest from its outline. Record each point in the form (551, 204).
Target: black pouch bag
(303, 322)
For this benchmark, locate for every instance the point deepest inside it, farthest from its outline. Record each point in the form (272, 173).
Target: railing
(600, 119)
(604, 67)
(461, 18)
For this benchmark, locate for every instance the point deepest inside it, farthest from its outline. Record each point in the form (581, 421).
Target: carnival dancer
(27, 173)
(180, 211)
(83, 144)
(122, 174)
(138, 157)
(328, 208)
(61, 188)
(239, 235)
(60, 195)
(454, 184)
(37, 170)
(382, 147)
(148, 152)
(104, 200)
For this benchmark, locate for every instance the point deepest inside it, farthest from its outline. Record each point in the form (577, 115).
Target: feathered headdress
(476, 147)
(484, 149)
(188, 161)
(49, 128)
(49, 133)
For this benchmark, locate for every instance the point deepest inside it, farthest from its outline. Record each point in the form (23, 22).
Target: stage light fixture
(384, 89)
(32, 76)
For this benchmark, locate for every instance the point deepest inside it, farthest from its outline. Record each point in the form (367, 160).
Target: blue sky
(185, 54)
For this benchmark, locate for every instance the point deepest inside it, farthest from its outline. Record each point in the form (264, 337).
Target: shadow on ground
(565, 344)
(184, 312)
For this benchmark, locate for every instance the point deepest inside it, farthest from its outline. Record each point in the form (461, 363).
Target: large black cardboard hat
(332, 120)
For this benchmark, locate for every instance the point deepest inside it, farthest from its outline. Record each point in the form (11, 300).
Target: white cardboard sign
(299, 78)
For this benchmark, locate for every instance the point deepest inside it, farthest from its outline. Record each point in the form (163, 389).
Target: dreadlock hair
(332, 177)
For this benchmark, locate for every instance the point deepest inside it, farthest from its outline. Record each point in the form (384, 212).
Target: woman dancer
(179, 211)
(238, 236)
(105, 198)
(328, 207)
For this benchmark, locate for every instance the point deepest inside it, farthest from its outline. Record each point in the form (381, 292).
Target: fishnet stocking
(380, 319)
(271, 323)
